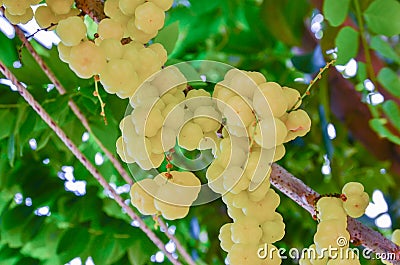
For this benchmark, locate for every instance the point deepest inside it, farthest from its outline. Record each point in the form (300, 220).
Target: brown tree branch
(82, 158)
(93, 8)
(304, 196)
(179, 247)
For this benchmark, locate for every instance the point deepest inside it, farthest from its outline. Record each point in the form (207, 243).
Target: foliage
(271, 37)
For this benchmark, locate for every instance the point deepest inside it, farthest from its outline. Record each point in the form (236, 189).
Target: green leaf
(360, 87)
(7, 118)
(113, 210)
(204, 6)
(13, 224)
(8, 255)
(347, 44)
(392, 111)
(382, 17)
(286, 22)
(361, 72)
(335, 11)
(118, 252)
(192, 31)
(378, 125)
(30, 73)
(307, 62)
(11, 150)
(53, 260)
(32, 228)
(21, 117)
(168, 36)
(140, 252)
(27, 261)
(26, 129)
(383, 47)
(44, 244)
(43, 139)
(390, 80)
(6, 197)
(102, 248)
(73, 242)
(8, 53)
(87, 93)
(57, 109)
(108, 133)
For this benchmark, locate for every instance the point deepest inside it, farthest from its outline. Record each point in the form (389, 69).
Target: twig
(364, 41)
(82, 158)
(307, 92)
(179, 247)
(368, 61)
(39, 30)
(304, 196)
(30, 36)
